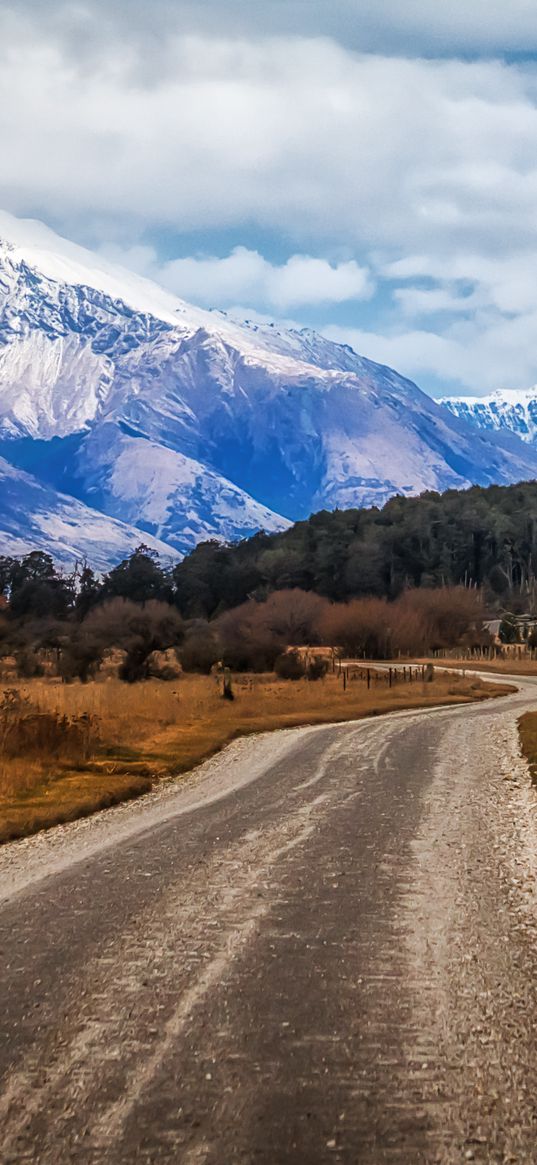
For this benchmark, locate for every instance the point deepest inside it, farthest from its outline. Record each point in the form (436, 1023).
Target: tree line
(72, 622)
(485, 538)
(413, 576)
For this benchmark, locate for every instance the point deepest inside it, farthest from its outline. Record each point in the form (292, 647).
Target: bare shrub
(27, 731)
(361, 628)
(447, 613)
(418, 622)
(248, 641)
(290, 666)
(138, 630)
(293, 616)
(201, 648)
(409, 629)
(316, 668)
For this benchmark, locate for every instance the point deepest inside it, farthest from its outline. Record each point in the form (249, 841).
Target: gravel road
(322, 947)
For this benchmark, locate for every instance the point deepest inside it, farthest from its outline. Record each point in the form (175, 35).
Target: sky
(365, 167)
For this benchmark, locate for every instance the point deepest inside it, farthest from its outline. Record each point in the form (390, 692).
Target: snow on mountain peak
(33, 243)
(509, 410)
(188, 425)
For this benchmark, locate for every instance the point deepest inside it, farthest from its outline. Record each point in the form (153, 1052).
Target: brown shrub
(418, 622)
(290, 666)
(293, 616)
(361, 628)
(248, 641)
(201, 648)
(447, 613)
(138, 630)
(27, 731)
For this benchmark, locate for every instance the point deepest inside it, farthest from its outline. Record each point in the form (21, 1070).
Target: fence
(482, 654)
(390, 676)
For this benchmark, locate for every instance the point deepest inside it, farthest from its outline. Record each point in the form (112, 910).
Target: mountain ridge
(62, 526)
(505, 410)
(187, 425)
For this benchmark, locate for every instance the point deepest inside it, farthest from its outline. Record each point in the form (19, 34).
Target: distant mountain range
(505, 411)
(35, 517)
(127, 415)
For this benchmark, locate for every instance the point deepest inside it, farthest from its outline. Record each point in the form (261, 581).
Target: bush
(80, 658)
(317, 668)
(201, 649)
(290, 666)
(138, 630)
(28, 664)
(25, 731)
(447, 614)
(293, 616)
(248, 641)
(135, 666)
(509, 632)
(362, 627)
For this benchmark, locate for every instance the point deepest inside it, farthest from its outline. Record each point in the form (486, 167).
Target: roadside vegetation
(69, 749)
(527, 726)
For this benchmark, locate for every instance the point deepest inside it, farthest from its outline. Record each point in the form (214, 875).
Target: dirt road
(323, 948)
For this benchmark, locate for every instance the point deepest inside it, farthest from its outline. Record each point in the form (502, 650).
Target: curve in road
(321, 948)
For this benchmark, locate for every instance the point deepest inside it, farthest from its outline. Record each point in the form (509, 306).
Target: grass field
(528, 738)
(513, 667)
(68, 750)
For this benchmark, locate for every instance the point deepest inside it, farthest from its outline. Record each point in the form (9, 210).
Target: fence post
(227, 691)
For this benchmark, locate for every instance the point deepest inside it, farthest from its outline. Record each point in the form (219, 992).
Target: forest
(481, 537)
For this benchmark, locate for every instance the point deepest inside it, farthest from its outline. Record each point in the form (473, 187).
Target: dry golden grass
(509, 667)
(527, 726)
(148, 731)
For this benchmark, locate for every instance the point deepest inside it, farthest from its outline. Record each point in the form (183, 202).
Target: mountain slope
(35, 517)
(507, 410)
(189, 425)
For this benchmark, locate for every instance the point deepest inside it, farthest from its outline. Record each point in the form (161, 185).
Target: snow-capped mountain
(35, 517)
(509, 410)
(188, 425)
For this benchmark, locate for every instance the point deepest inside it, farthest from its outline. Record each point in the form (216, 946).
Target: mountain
(511, 410)
(35, 517)
(187, 425)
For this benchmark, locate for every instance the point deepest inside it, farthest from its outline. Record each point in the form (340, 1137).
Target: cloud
(416, 27)
(475, 355)
(140, 121)
(247, 277)
(324, 147)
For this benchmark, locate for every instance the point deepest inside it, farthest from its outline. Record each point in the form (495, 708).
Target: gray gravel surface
(321, 947)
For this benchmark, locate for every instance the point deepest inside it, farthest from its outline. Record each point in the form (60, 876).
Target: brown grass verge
(151, 731)
(527, 727)
(512, 667)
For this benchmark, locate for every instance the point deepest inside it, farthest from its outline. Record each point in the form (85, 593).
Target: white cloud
(246, 277)
(506, 282)
(424, 170)
(475, 355)
(299, 137)
(416, 27)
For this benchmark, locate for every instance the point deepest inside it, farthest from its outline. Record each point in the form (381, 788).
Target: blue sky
(370, 170)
